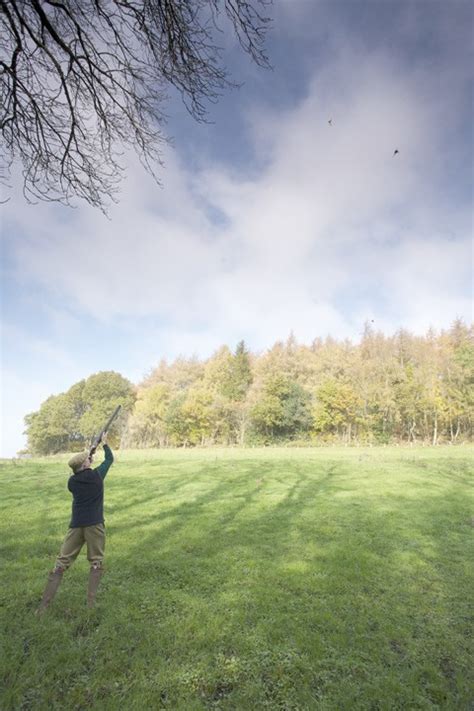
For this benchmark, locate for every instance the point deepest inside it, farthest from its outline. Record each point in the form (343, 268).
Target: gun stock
(98, 439)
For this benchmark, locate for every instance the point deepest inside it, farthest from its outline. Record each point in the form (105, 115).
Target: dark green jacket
(87, 489)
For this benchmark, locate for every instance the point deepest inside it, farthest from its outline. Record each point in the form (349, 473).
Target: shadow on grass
(335, 584)
(282, 586)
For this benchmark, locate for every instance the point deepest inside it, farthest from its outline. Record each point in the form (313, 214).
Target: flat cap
(77, 461)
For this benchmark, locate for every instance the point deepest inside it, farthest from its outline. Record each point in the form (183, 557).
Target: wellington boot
(95, 575)
(54, 581)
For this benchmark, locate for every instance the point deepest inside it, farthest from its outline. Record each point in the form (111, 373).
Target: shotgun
(97, 440)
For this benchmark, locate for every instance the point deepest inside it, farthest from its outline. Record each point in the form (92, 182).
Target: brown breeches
(93, 536)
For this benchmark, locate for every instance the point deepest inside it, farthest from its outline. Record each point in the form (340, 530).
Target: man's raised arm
(103, 468)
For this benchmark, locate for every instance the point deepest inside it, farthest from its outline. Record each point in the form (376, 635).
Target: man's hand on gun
(101, 439)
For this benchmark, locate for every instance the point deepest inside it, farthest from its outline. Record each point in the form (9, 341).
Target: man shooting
(87, 522)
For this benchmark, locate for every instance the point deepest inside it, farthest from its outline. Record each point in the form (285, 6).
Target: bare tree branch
(82, 80)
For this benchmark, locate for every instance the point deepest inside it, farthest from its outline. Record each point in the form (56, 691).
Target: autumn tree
(458, 380)
(337, 409)
(401, 388)
(229, 375)
(372, 372)
(189, 418)
(179, 375)
(176, 421)
(82, 80)
(217, 375)
(147, 427)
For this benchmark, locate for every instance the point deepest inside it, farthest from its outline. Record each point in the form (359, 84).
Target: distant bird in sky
(330, 122)
(395, 152)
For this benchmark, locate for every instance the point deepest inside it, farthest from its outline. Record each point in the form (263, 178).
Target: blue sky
(269, 220)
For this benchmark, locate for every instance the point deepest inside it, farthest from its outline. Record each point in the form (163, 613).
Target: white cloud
(38, 349)
(290, 236)
(333, 229)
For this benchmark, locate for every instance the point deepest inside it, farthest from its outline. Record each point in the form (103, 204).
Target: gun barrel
(107, 425)
(109, 422)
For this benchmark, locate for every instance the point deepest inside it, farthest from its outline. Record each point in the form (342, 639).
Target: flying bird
(395, 152)
(330, 122)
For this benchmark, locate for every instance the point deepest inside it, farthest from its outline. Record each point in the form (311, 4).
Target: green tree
(283, 409)
(101, 394)
(176, 421)
(68, 421)
(51, 429)
(240, 374)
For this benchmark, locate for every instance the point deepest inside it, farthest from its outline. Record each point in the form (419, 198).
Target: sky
(269, 219)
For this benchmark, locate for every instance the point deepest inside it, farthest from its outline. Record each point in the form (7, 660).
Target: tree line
(382, 390)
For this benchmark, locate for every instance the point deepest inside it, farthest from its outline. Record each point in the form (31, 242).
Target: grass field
(247, 579)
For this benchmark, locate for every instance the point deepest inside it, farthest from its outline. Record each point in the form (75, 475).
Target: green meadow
(322, 578)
